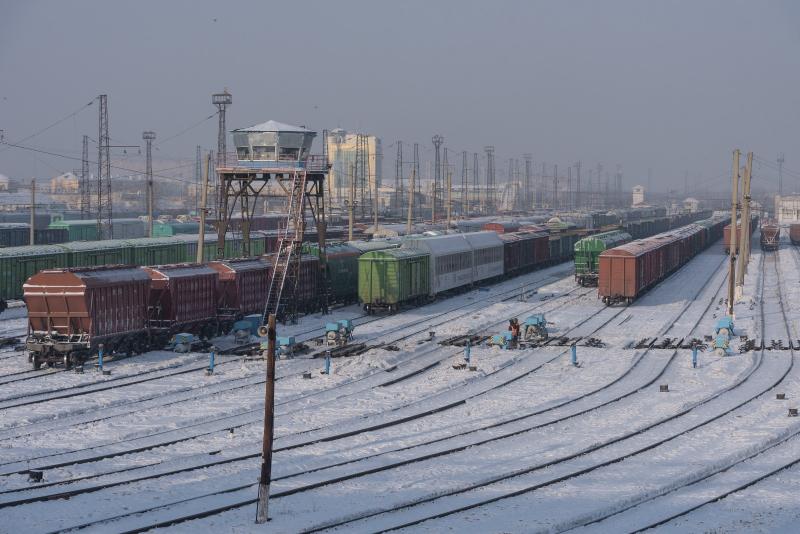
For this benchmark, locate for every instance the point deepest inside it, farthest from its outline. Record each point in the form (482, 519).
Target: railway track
(728, 477)
(302, 402)
(361, 474)
(593, 517)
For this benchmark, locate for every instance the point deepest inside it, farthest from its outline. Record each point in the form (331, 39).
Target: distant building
(691, 204)
(638, 195)
(342, 148)
(64, 183)
(787, 209)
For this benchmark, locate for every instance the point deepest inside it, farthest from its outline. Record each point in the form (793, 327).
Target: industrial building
(363, 152)
(787, 209)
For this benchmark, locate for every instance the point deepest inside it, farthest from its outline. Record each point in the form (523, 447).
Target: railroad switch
(663, 388)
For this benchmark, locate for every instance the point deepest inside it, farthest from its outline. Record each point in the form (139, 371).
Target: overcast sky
(671, 85)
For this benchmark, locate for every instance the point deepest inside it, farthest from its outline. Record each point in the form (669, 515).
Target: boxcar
(390, 277)
(309, 285)
(342, 268)
(726, 238)
(512, 253)
(241, 288)
(17, 264)
(587, 253)
(794, 233)
(50, 236)
(629, 270)
(97, 253)
(770, 236)
(80, 230)
(72, 311)
(14, 234)
(487, 255)
(450, 264)
(156, 251)
(182, 299)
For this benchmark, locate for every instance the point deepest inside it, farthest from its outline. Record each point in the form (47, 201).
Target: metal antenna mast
(104, 212)
(555, 187)
(437, 169)
(398, 180)
(222, 101)
(85, 186)
(490, 178)
(148, 137)
(528, 176)
(464, 184)
(569, 188)
(444, 184)
(417, 202)
(475, 187)
(780, 174)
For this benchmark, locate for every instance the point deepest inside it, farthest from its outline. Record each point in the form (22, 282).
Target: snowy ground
(402, 440)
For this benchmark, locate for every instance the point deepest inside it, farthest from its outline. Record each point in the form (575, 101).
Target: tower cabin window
(289, 154)
(243, 152)
(263, 152)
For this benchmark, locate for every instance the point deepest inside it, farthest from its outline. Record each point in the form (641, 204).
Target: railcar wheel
(67, 361)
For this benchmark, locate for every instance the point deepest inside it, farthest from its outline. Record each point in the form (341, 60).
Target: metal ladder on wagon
(288, 254)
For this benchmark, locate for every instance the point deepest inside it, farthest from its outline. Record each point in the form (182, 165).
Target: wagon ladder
(288, 255)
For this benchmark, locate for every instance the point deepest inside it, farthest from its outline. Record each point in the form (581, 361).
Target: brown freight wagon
(241, 288)
(72, 311)
(308, 295)
(726, 238)
(794, 233)
(629, 270)
(182, 299)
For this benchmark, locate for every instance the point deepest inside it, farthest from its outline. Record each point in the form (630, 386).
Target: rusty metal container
(183, 298)
(242, 287)
(501, 227)
(794, 233)
(72, 311)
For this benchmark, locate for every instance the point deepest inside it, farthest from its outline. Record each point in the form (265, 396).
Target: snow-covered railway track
(330, 481)
(346, 388)
(248, 417)
(730, 475)
(744, 406)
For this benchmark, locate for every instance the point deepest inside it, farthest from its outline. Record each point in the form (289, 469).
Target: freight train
(770, 236)
(588, 250)
(726, 234)
(628, 271)
(422, 268)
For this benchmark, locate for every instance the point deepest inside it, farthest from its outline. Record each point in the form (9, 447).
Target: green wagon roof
(603, 241)
(96, 245)
(152, 241)
(393, 254)
(35, 250)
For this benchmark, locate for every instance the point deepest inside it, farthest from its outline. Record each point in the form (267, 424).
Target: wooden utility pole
(411, 199)
(262, 507)
(734, 207)
(203, 200)
(33, 212)
(351, 202)
(744, 247)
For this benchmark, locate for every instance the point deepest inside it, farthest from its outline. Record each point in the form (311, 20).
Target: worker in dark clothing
(513, 327)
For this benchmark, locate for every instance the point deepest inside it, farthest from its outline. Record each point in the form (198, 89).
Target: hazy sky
(670, 85)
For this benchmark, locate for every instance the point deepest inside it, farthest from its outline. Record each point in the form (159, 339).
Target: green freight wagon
(78, 230)
(342, 268)
(157, 251)
(128, 228)
(387, 278)
(587, 252)
(96, 253)
(17, 264)
(170, 228)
